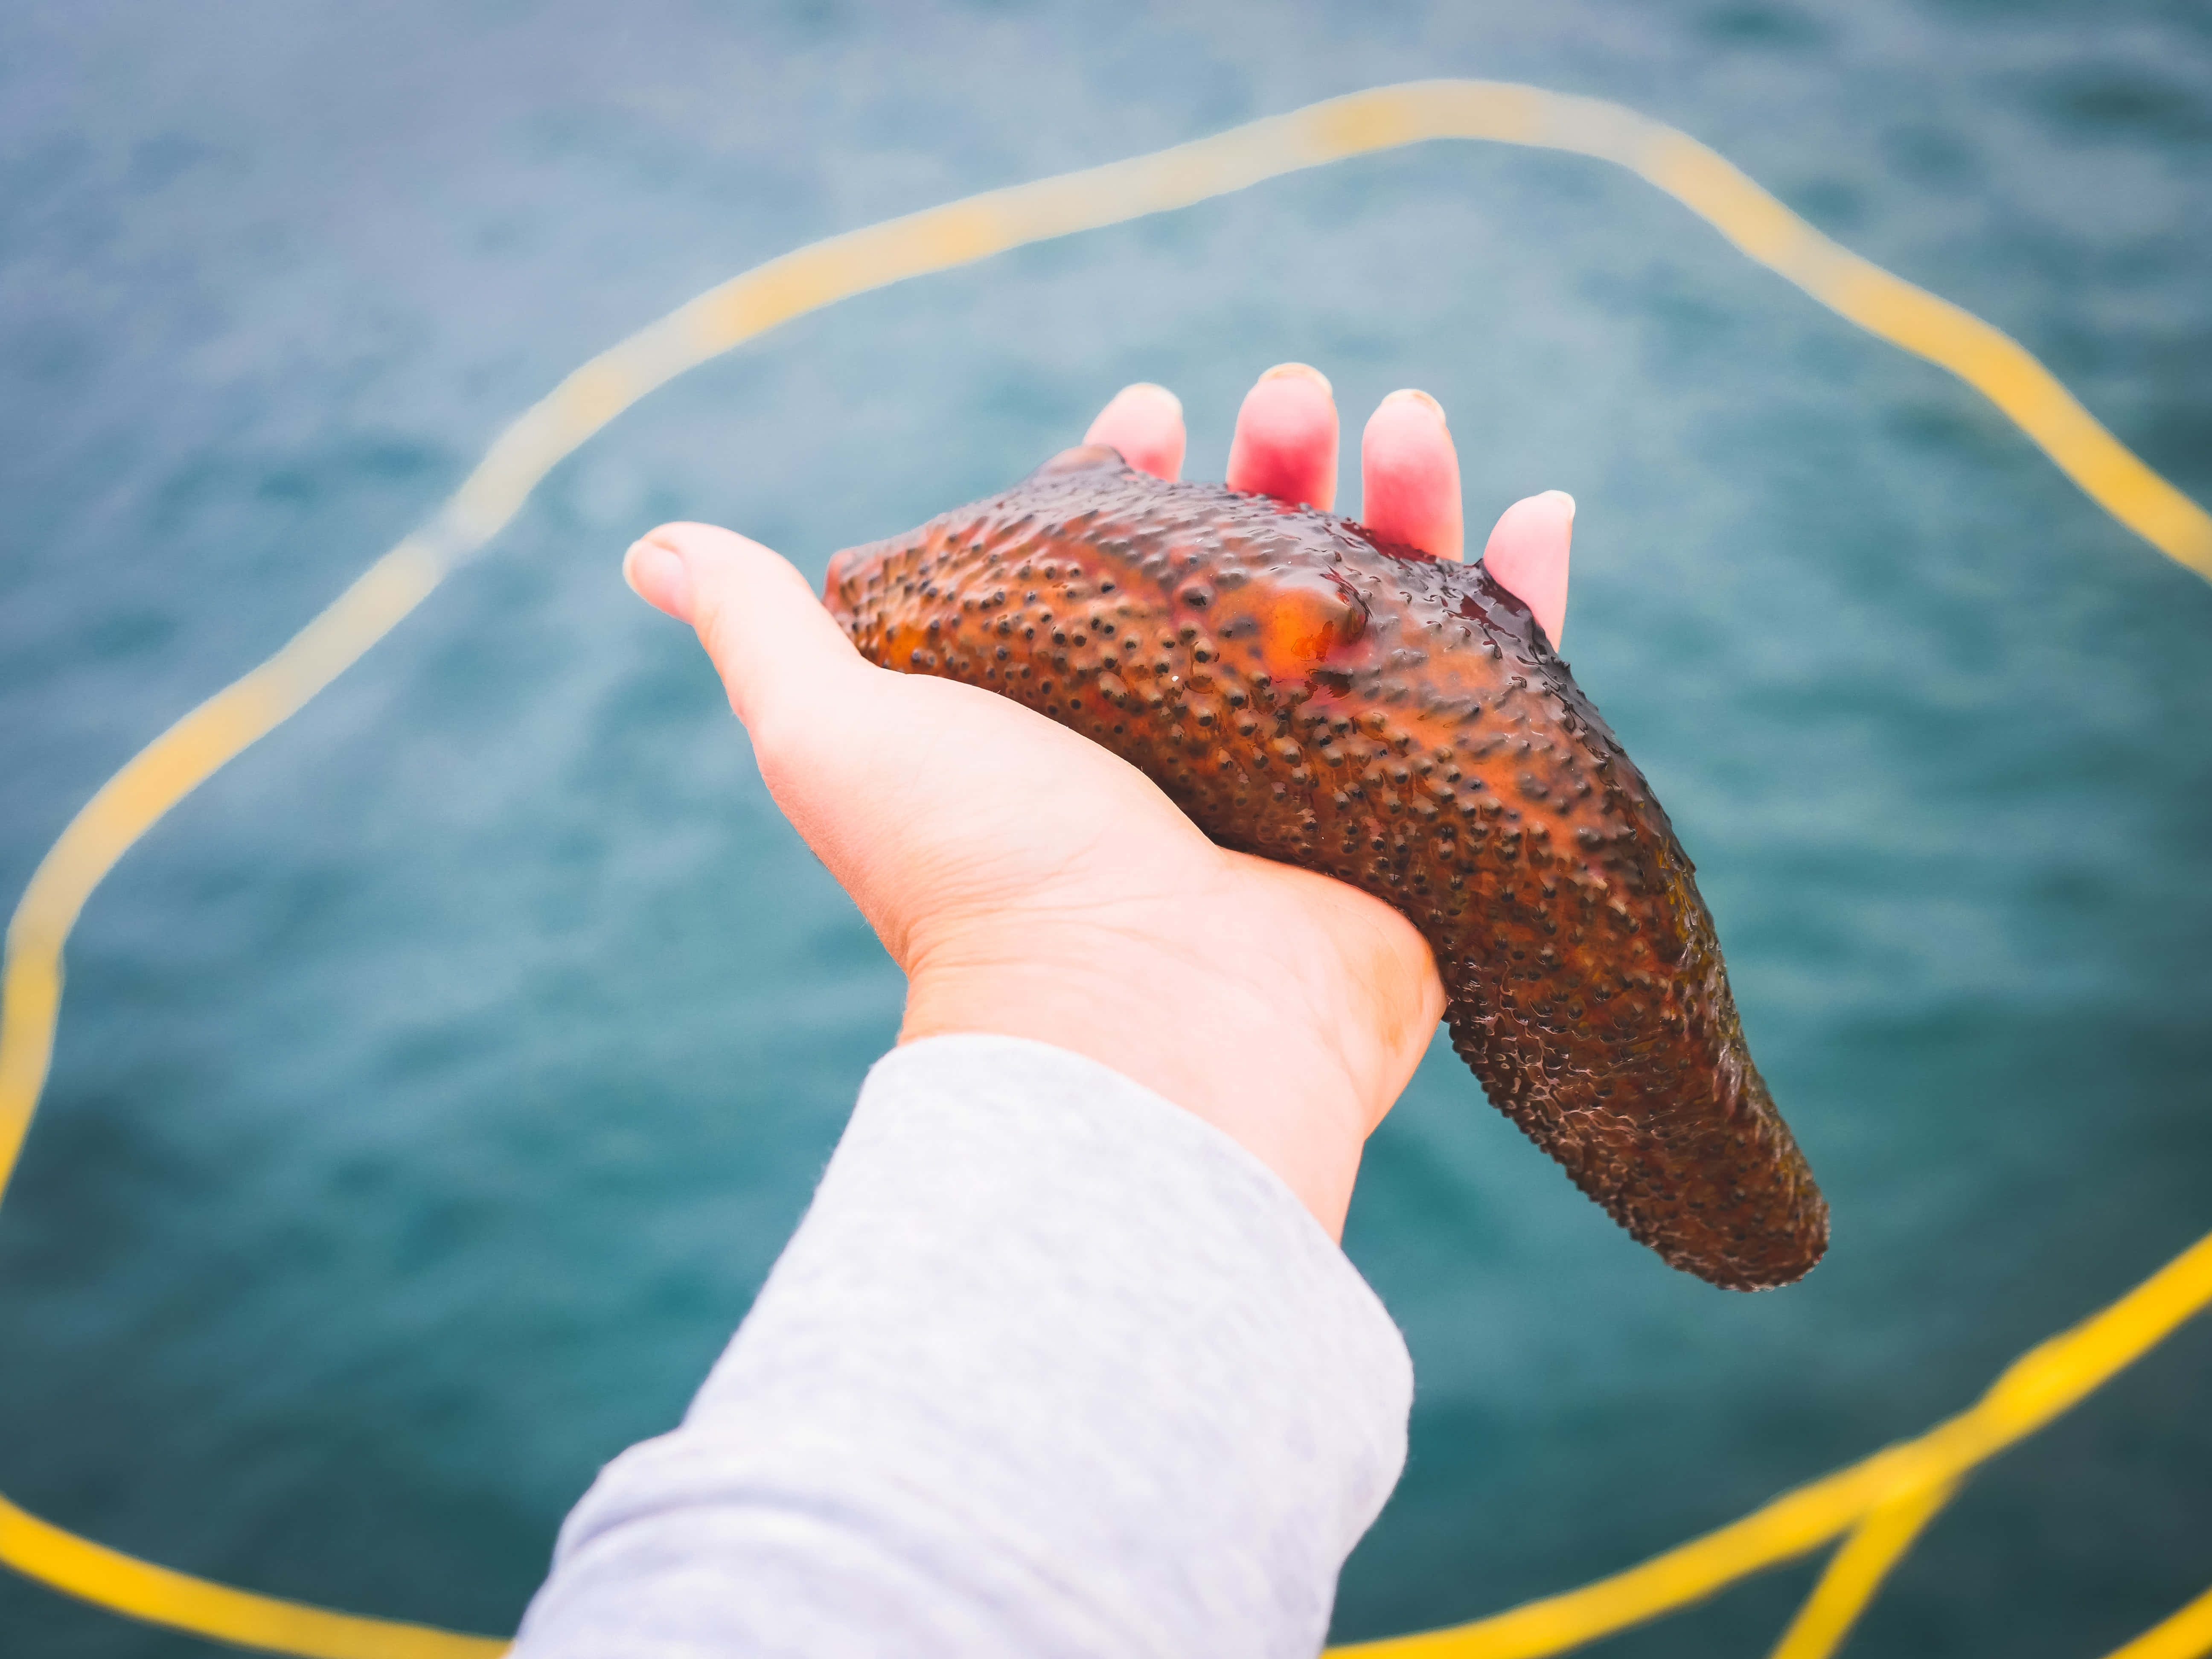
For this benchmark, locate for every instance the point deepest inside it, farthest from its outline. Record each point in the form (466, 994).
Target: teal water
(437, 1085)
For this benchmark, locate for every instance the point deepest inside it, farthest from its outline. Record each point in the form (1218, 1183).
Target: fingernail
(1416, 395)
(1152, 387)
(1568, 499)
(656, 575)
(1282, 371)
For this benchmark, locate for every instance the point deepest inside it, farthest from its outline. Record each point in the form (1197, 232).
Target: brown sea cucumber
(1309, 694)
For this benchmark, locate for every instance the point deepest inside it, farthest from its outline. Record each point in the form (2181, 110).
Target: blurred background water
(437, 1085)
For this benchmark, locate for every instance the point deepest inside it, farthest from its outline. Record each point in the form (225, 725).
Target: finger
(1527, 554)
(774, 646)
(1285, 442)
(1409, 477)
(1145, 422)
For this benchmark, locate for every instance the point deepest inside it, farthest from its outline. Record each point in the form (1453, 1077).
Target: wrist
(1219, 1049)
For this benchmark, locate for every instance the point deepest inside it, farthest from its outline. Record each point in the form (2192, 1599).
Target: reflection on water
(438, 1083)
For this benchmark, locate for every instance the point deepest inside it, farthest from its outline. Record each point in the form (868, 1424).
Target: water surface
(437, 1085)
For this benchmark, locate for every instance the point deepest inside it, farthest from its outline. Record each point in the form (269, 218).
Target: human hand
(1032, 884)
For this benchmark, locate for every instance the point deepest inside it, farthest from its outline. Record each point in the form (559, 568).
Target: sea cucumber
(1305, 692)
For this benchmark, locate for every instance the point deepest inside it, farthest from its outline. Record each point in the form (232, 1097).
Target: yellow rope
(2039, 1386)
(2187, 1635)
(1855, 1572)
(125, 1584)
(2034, 1389)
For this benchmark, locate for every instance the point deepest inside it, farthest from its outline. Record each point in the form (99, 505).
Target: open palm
(1033, 884)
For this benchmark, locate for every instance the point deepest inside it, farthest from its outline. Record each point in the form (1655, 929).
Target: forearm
(1052, 1367)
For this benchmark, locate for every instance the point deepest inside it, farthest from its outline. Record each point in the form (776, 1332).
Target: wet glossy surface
(1402, 723)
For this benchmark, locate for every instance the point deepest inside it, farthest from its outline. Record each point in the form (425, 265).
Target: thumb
(767, 634)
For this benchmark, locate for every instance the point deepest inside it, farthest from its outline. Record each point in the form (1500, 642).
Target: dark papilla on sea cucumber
(1306, 693)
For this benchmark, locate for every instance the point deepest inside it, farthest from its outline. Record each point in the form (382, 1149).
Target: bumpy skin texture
(1305, 693)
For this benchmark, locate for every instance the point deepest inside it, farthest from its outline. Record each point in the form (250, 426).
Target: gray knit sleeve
(1051, 1367)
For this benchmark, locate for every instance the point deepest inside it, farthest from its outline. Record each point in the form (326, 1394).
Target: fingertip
(1528, 552)
(1151, 393)
(656, 575)
(1299, 371)
(1409, 475)
(767, 632)
(689, 561)
(1145, 422)
(1412, 398)
(1285, 442)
